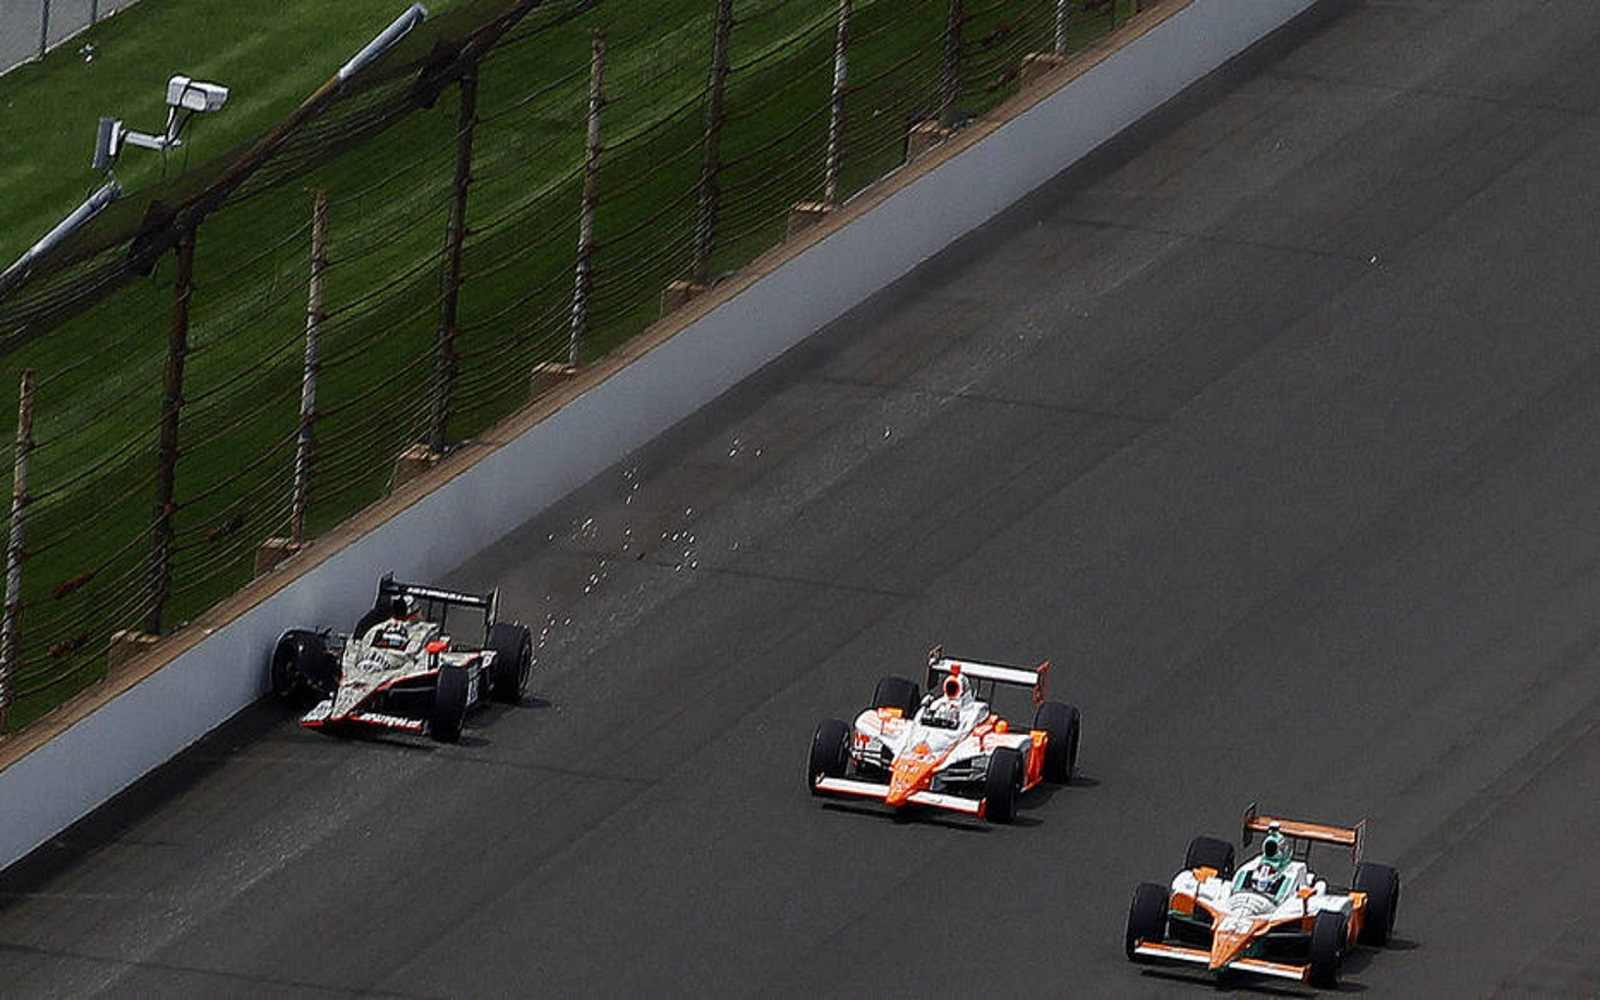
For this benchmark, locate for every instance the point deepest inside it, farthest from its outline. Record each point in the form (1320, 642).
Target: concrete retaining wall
(47, 790)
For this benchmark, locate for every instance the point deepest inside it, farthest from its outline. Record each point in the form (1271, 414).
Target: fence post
(805, 214)
(711, 163)
(930, 132)
(277, 548)
(841, 79)
(950, 74)
(444, 363)
(14, 554)
(583, 280)
(1037, 65)
(44, 27)
(308, 377)
(94, 12)
(167, 458)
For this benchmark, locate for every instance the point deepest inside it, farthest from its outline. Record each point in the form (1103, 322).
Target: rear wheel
(1382, 886)
(897, 692)
(1327, 948)
(830, 752)
(513, 660)
(449, 705)
(1060, 723)
(1209, 852)
(1147, 917)
(1002, 785)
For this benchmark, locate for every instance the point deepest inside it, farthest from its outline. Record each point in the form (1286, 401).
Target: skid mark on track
(1489, 805)
(238, 978)
(965, 394)
(1568, 966)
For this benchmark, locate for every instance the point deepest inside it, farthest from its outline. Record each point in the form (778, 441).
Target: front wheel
(1060, 724)
(513, 660)
(830, 752)
(449, 705)
(1382, 886)
(1147, 917)
(1327, 948)
(1001, 785)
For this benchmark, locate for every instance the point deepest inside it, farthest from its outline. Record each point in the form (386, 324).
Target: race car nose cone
(1226, 946)
(907, 778)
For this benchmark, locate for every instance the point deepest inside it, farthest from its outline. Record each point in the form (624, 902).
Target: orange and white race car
(1272, 916)
(947, 749)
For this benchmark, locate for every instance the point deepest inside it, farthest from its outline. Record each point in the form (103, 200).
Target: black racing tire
(1147, 917)
(1209, 852)
(897, 692)
(1060, 723)
(301, 668)
(1327, 948)
(830, 752)
(512, 643)
(449, 705)
(1002, 785)
(1382, 886)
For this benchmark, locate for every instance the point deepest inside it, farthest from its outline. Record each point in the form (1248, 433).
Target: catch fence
(31, 28)
(218, 369)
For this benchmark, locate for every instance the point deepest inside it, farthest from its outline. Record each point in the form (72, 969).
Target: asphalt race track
(1275, 425)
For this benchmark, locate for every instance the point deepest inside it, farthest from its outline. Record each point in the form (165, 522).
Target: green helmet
(1275, 848)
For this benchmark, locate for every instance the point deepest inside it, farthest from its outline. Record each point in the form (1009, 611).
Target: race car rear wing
(489, 603)
(1302, 833)
(1035, 678)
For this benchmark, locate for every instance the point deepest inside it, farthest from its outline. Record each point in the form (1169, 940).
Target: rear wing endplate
(1035, 678)
(489, 603)
(1320, 833)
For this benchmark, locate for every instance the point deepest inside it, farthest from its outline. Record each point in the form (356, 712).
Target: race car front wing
(872, 790)
(320, 716)
(1178, 953)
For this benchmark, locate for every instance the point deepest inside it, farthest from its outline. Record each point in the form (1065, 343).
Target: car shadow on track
(1043, 795)
(1355, 963)
(1033, 801)
(476, 733)
(496, 709)
(1363, 958)
(1243, 984)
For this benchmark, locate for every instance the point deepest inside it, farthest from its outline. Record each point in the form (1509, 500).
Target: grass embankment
(100, 390)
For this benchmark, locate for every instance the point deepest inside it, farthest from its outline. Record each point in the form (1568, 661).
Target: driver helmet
(945, 710)
(402, 607)
(1274, 850)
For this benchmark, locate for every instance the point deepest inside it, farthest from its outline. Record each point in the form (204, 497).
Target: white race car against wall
(400, 669)
(1272, 916)
(948, 749)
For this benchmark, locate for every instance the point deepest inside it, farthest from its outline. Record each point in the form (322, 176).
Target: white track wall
(49, 789)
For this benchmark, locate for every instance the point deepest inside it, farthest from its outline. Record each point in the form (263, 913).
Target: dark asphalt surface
(1273, 425)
